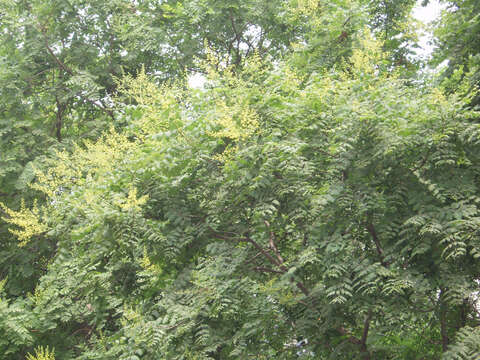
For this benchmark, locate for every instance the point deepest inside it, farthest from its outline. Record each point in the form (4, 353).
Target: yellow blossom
(27, 222)
(147, 264)
(131, 201)
(42, 353)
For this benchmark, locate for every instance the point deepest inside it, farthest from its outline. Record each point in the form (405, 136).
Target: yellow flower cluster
(237, 122)
(234, 120)
(159, 103)
(368, 55)
(147, 264)
(438, 97)
(78, 168)
(131, 202)
(27, 222)
(85, 162)
(303, 8)
(42, 353)
(2, 286)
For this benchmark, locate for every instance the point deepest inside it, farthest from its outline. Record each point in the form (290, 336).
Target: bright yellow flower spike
(159, 103)
(368, 55)
(42, 353)
(132, 202)
(27, 222)
(237, 122)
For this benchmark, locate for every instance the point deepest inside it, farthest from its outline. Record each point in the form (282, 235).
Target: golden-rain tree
(282, 211)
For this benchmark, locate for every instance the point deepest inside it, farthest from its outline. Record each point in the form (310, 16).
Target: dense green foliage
(315, 199)
(458, 42)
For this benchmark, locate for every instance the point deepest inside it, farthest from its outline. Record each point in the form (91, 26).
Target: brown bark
(443, 321)
(366, 327)
(59, 119)
(380, 252)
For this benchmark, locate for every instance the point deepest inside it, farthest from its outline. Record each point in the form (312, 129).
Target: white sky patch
(196, 80)
(426, 14)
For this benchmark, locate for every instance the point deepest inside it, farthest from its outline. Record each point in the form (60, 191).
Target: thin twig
(264, 269)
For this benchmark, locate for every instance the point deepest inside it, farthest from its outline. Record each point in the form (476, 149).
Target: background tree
(307, 202)
(59, 64)
(456, 38)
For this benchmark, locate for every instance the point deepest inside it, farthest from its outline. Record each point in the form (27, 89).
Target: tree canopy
(318, 197)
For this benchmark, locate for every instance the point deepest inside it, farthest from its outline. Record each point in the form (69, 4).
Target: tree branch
(265, 253)
(423, 162)
(59, 118)
(277, 262)
(273, 246)
(264, 269)
(238, 38)
(443, 321)
(71, 72)
(371, 230)
(50, 51)
(351, 339)
(363, 341)
(253, 258)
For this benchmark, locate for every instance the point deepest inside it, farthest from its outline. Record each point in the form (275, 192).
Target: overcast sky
(426, 14)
